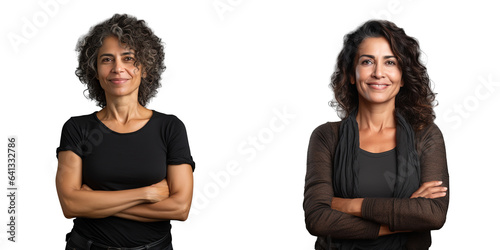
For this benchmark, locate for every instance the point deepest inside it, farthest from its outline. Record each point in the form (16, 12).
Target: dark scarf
(346, 168)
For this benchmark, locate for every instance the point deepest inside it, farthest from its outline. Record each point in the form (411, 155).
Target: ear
(352, 80)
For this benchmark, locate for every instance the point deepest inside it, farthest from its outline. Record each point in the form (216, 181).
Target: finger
(427, 185)
(435, 192)
(438, 195)
(432, 184)
(429, 192)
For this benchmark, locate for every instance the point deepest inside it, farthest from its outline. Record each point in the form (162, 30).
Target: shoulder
(165, 117)
(83, 118)
(80, 121)
(168, 122)
(326, 133)
(328, 128)
(429, 131)
(430, 137)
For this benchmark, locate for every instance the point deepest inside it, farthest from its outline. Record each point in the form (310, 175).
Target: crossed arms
(169, 199)
(369, 218)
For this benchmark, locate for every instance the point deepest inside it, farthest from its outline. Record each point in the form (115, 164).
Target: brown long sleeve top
(419, 215)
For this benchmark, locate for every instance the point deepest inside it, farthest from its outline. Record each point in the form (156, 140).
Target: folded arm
(175, 207)
(420, 213)
(426, 209)
(320, 218)
(79, 202)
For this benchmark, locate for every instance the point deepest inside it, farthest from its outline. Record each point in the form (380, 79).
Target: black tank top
(377, 172)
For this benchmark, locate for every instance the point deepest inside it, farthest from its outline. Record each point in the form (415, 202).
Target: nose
(378, 71)
(117, 67)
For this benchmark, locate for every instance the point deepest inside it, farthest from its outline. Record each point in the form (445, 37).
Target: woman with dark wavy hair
(125, 171)
(377, 179)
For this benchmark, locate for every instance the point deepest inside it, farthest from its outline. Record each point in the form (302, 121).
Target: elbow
(315, 228)
(431, 221)
(67, 209)
(438, 222)
(71, 210)
(68, 214)
(438, 218)
(181, 213)
(184, 212)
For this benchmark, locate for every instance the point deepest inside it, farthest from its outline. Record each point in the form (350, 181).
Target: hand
(431, 190)
(86, 188)
(158, 191)
(384, 230)
(348, 206)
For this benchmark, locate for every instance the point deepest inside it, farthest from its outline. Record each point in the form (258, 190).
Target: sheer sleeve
(416, 214)
(320, 218)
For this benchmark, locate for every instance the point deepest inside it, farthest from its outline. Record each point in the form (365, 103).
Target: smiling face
(377, 73)
(116, 71)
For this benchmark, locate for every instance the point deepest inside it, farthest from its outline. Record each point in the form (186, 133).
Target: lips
(378, 86)
(118, 80)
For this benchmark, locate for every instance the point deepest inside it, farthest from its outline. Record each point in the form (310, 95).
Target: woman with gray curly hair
(125, 171)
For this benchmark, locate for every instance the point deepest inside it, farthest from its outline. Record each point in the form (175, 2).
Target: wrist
(355, 206)
(147, 194)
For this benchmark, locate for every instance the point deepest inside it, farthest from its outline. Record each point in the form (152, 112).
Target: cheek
(133, 71)
(101, 69)
(396, 77)
(362, 73)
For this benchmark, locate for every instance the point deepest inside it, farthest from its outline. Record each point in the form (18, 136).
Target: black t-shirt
(377, 172)
(118, 161)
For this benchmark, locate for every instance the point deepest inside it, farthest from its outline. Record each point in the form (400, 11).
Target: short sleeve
(178, 151)
(71, 138)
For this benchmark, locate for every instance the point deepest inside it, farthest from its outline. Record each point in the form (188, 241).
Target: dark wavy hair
(134, 34)
(415, 101)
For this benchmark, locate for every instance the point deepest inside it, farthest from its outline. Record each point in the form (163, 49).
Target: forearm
(406, 214)
(354, 207)
(320, 219)
(135, 217)
(172, 208)
(99, 204)
(402, 214)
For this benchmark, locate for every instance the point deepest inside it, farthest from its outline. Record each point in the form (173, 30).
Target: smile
(118, 80)
(377, 86)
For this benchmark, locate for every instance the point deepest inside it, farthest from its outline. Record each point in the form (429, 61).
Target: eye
(106, 59)
(366, 62)
(129, 59)
(390, 62)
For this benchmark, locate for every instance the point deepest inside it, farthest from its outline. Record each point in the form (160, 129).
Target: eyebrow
(373, 57)
(122, 54)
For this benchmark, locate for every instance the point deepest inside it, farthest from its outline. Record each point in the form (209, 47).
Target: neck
(375, 117)
(122, 109)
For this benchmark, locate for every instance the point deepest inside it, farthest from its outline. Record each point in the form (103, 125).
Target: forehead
(375, 46)
(112, 44)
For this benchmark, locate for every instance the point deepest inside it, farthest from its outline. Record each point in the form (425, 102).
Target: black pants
(77, 242)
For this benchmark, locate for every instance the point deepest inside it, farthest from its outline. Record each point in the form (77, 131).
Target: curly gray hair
(136, 35)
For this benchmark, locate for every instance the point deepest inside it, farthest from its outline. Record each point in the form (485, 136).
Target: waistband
(91, 245)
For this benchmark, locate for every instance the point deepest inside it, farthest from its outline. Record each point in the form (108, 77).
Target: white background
(228, 75)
